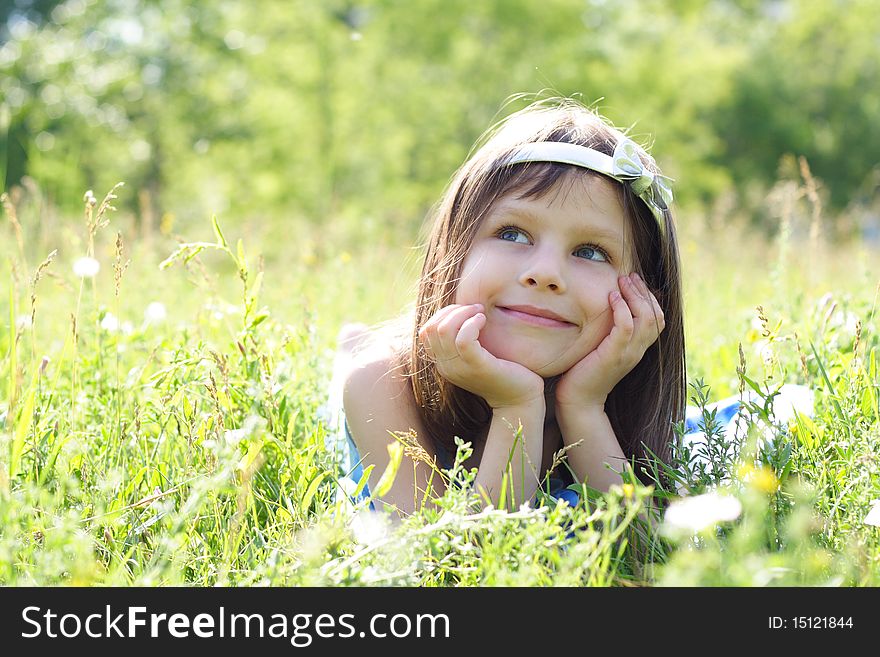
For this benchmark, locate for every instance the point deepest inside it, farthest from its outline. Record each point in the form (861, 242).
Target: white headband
(624, 166)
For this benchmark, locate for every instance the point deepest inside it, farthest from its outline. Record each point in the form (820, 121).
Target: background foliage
(299, 108)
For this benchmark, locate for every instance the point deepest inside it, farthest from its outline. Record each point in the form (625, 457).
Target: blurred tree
(810, 86)
(362, 109)
(37, 11)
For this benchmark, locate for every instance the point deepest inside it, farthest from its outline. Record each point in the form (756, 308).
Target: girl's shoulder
(373, 374)
(374, 362)
(377, 395)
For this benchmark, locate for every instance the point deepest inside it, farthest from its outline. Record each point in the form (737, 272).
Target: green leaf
(239, 248)
(13, 364)
(306, 501)
(21, 430)
(258, 319)
(255, 288)
(831, 391)
(177, 396)
(753, 385)
(186, 251)
(363, 481)
(57, 444)
(395, 452)
(807, 431)
(253, 452)
(218, 233)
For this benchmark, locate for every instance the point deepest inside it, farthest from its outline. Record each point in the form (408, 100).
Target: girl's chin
(544, 367)
(544, 360)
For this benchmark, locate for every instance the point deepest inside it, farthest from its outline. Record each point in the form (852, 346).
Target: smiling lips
(535, 316)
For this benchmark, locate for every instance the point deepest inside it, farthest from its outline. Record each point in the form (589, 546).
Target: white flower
(23, 321)
(348, 485)
(86, 267)
(155, 313)
(234, 436)
(368, 528)
(873, 517)
(220, 310)
(694, 514)
(109, 323)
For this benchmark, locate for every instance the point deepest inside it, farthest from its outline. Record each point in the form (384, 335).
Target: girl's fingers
(466, 342)
(635, 296)
(623, 319)
(643, 303)
(431, 327)
(439, 316)
(451, 324)
(428, 333)
(640, 285)
(439, 336)
(655, 313)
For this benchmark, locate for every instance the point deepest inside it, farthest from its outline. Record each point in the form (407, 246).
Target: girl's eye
(587, 252)
(510, 234)
(591, 253)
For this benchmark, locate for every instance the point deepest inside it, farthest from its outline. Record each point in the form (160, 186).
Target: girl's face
(543, 269)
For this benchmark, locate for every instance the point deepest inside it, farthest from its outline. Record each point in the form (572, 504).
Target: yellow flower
(628, 490)
(166, 223)
(762, 479)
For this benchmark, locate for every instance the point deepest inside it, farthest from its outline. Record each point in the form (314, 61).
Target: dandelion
(368, 528)
(694, 514)
(873, 517)
(110, 323)
(155, 313)
(86, 267)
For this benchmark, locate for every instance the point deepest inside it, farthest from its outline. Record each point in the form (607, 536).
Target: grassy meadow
(159, 418)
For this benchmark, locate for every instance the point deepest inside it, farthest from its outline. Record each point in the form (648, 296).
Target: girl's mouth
(520, 314)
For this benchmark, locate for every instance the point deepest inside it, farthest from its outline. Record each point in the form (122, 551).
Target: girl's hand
(451, 340)
(638, 322)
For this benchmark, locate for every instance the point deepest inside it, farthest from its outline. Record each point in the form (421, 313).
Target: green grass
(188, 450)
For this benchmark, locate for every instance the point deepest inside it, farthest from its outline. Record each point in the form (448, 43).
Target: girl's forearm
(514, 453)
(598, 448)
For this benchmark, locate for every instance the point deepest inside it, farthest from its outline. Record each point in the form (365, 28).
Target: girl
(549, 316)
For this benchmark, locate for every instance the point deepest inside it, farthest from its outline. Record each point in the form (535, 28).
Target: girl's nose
(543, 272)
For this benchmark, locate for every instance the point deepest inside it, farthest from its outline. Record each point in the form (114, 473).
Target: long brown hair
(643, 406)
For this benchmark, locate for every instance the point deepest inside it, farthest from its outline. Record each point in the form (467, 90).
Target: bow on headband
(624, 166)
